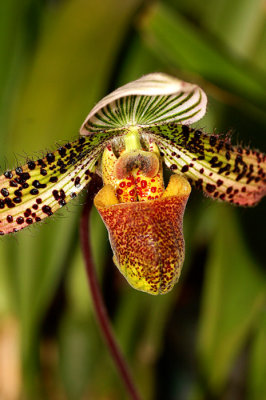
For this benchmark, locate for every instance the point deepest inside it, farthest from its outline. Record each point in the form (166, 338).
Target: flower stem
(99, 306)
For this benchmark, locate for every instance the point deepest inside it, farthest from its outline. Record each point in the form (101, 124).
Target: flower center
(136, 175)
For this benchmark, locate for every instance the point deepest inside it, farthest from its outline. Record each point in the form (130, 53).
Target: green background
(207, 338)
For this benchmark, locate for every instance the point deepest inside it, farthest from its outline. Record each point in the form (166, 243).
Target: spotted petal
(36, 190)
(222, 171)
(147, 237)
(153, 99)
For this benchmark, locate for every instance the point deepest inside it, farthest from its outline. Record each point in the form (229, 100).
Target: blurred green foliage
(204, 340)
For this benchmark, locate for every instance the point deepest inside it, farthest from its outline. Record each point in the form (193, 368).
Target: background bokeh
(207, 338)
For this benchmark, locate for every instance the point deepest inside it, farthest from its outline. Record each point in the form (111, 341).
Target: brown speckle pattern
(147, 241)
(36, 190)
(223, 171)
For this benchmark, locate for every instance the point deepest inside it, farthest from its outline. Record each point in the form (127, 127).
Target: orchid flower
(126, 139)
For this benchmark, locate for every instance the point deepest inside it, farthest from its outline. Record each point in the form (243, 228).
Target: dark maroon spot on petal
(229, 189)
(35, 207)
(18, 193)
(50, 157)
(38, 185)
(19, 170)
(47, 210)
(1, 233)
(5, 192)
(210, 188)
(17, 200)
(24, 177)
(55, 194)
(201, 170)
(73, 195)
(53, 179)
(37, 219)
(9, 218)
(27, 213)
(39, 201)
(31, 165)
(77, 181)
(20, 220)
(62, 203)
(2, 204)
(9, 203)
(41, 163)
(62, 151)
(43, 172)
(219, 182)
(214, 160)
(173, 167)
(13, 184)
(243, 189)
(8, 174)
(185, 168)
(29, 221)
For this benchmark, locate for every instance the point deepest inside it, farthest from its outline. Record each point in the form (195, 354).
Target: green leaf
(257, 366)
(233, 296)
(184, 46)
(69, 72)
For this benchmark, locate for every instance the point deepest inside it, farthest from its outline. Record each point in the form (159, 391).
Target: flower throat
(137, 174)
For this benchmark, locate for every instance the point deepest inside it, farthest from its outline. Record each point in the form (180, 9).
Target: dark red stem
(97, 298)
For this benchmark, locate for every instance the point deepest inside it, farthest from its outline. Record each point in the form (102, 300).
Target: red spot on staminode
(143, 184)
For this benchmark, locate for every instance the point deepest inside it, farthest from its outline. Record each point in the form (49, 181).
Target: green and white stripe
(151, 100)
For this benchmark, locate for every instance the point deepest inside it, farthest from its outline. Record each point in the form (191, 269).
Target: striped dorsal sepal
(153, 99)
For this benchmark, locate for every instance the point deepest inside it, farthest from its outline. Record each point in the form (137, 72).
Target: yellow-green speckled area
(147, 240)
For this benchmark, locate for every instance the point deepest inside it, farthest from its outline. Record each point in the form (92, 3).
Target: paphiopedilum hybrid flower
(126, 138)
